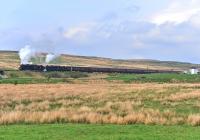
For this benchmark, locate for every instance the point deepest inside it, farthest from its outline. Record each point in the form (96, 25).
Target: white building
(193, 71)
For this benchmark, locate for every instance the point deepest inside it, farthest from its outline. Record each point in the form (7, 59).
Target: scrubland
(100, 102)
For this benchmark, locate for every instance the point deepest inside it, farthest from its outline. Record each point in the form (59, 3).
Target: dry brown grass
(80, 116)
(9, 60)
(184, 96)
(99, 102)
(194, 120)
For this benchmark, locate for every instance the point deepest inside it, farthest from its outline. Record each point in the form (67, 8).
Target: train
(50, 68)
(2, 72)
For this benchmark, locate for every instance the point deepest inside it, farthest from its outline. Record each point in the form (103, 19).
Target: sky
(166, 30)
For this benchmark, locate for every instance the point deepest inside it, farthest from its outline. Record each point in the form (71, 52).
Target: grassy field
(74, 105)
(158, 78)
(100, 102)
(28, 77)
(98, 132)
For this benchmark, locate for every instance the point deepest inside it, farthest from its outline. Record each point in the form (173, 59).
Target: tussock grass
(194, 119)
(82, 116)
(100, 102)
(184, 96)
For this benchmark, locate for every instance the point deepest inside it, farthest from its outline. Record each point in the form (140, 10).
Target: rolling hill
(10, 60)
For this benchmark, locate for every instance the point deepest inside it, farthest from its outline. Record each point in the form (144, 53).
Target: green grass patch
(26, 102)
(98, 132)
(16, 81)
(159, 78)
(29, 77)
(55, 105)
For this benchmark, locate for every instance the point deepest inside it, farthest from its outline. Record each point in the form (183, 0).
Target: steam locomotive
(50, 68)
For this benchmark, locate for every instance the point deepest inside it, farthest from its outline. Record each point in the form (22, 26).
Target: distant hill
(10, 60)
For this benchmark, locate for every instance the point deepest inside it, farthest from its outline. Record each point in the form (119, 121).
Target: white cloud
(79, 33)
(177, 12)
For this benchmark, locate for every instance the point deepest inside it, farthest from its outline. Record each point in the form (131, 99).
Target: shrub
(65, 75)
(78, 75)
(13, 75)
(54, 75)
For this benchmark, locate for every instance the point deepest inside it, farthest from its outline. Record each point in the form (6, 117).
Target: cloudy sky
(124, 29)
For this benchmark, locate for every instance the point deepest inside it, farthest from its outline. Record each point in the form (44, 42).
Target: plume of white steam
(25, 54)
(50, 57)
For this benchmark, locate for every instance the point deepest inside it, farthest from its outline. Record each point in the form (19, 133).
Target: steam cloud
(49, 58)
(27, 52)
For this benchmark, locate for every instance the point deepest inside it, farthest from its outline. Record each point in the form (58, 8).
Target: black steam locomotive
(49, 68)
(1, 72)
